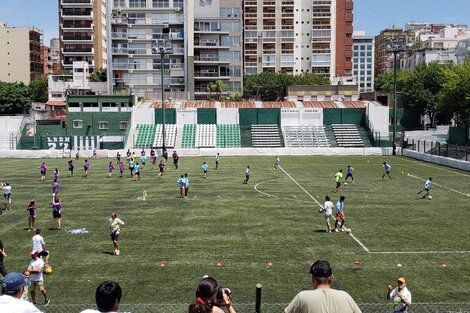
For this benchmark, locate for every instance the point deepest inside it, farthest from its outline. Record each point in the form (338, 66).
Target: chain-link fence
(265, 308)
(439, 148)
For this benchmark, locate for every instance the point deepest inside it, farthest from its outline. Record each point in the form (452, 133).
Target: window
(119, 3)
(103, 125)
(356, 48)
(74, 105)
(229, 56)
(230, 26)
(123, 125)
(229, 12)
(137, 3)
(161, 3)
(230, 41)
(178, 4)
(77, 124)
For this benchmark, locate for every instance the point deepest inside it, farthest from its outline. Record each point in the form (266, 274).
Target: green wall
(206, 116)
(91, 123)
(248, 117)
(459, 135)
(170, 116)
(344, 116)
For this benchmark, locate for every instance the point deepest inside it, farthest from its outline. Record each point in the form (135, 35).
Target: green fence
(170, 116)
(459, 135)
(206, 116)
(248, 117)
(344, 116)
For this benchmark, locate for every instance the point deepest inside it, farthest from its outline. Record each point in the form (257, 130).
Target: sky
(369, 15)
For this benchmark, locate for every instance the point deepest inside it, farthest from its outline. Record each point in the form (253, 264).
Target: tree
(100, 75)
(217, 87)
(270, 86)
(38, 89)
(15, 98)
(384, 82)
(455, 96)
(423, 89)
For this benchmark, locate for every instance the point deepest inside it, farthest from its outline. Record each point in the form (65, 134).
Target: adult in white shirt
(328, 209)
(13, 287)
(36, 267)
(40, 246)
(7, 195)
(108, 297)
(400, 295)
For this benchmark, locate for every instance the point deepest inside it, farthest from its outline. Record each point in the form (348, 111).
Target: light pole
(395, 45)
(161, 47)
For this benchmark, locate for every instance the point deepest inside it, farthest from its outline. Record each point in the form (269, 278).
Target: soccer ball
(348, 230)
(430, 197)
(319, 210)
(48, 270)
(345, 183)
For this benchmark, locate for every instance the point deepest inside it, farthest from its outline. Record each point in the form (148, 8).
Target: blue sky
(369, 15)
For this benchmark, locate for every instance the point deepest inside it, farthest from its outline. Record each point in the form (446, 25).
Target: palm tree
(217, 87)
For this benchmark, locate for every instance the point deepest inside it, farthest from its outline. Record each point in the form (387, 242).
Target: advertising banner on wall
(206, 8)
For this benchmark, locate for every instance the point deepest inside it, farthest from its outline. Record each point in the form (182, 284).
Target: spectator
(210, 297)
(7, 195)
(2, 255)
(36, 267)
(323, 298)
(401, 296)
(13, 286)
(107, 297)
(31, 209)
(115, 227)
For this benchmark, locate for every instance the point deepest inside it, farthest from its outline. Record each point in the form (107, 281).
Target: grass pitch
(243, 228)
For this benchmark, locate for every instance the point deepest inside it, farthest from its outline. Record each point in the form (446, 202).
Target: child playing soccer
(204, 170)
(86, 167)
(161, 167)
(110, 168)
(42, 168)
(70, 166)
(121, 168)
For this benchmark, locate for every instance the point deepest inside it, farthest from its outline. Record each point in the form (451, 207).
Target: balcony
(269, 3)
(287, 2)
(210, 76)
(77, 4)
(287, 15)
(321, 3)
(209, 44)
(251, 15)
(77, 39)
(208, 59)
(251, 64)
(83, 51)
(321, 15)
(68, 14)
(76, 27)
(139, 51)
(251, 3)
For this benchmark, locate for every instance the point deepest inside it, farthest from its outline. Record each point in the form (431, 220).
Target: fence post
(439, 148)
(466, 153)
(432, 142)
(418, 145)
(258, 298)
(424, 146)
(447, 155)
(456, 151)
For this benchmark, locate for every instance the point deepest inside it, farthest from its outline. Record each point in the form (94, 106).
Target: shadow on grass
(320, 230)
(107, 252)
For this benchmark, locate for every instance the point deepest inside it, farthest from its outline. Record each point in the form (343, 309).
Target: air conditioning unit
(131, 86)
(130, 56)
(118, 10)
(129, 40)
(177, 9)
(167, 71)
(129, 25)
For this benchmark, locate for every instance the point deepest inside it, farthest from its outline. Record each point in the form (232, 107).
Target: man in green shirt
(338, 178)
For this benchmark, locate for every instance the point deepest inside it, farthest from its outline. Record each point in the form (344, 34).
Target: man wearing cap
(37, 280)
(401, 296)
(13, 286)
(323, 298)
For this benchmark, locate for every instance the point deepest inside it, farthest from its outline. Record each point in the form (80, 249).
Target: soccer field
(242, 227)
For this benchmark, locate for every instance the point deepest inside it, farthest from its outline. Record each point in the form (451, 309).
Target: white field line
(420, 252)
(313, 198)
(442, 168)
(274, 196)
(435, 184)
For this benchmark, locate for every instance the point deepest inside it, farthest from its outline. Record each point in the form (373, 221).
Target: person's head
(349, 166)
(56, 170)
(340, 170)
(38, 231)
(430, 178)
(401, 282)
(322, 273)
(34, 254)
(247, 166)
(86, 160)
(206, 295)
(108, 296)
(185, 174)
(26, 274)
(327, 198)
(110, 162)
(13, 284)
(385, 163)
(113, 215)
(56, 199)
(204, 162)
(31, 202)
(182, 176)
(136, 163)
(342, 198)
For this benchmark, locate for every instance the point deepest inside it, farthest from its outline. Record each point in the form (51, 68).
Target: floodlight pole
(160, 47)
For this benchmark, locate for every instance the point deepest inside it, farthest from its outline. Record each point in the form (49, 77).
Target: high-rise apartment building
(383, 57)
(46, 60)
(205, 41)
(20, 54)
(82, 31)
(297, 36)
(363, 61)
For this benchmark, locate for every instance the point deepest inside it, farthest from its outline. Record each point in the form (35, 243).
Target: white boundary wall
(459, 164)
(301, 116)
(378, 118)
(227, 116)
(143, 116)
(186, 116)
(210, 152)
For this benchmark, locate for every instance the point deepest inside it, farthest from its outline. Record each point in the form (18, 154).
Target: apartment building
(54, 50)
(82, 31)
(383, 57)
(203, 40)
(363, 61)
(298, 36)
(46, 60)
(20, 53)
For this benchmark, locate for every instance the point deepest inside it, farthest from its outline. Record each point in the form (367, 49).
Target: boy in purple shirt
(161, 166)
(43, 169)
(55, 188)
(154, 156)
(110, 168)
(56, 212)
(70, 166)
(121, 168)
(86, 166)
(56, 174)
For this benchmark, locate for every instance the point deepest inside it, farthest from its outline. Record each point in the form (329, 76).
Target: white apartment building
(298, 36)
(363, 60)
(205, 41)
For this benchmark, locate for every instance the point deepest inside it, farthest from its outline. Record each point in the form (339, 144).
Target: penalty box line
(444, 187)
(316, 201)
